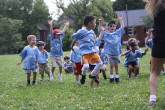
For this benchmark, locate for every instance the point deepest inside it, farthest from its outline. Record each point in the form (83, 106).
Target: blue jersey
(75, 56)
(56, 45)
(150, 43)
(70, 69)
(97, 45)
(30, 56)
(43, 58)
(103, 57)
(86, 41)
(112, 41)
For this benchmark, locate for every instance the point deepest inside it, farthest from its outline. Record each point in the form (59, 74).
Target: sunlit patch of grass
(129, 94)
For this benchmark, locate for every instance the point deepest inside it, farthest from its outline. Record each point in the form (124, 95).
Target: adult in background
(156, 8)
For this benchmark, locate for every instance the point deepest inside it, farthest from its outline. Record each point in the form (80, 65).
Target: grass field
(129, 94)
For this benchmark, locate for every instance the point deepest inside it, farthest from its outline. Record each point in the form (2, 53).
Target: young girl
(131, 58)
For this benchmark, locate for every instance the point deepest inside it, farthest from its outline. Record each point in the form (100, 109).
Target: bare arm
(66, 24)
(100, 24)
(146, 50)
(102, 32)
(121, 21)
(125, 53)
(72, 45)
(51, 27)
(148, 36)
(46, 53)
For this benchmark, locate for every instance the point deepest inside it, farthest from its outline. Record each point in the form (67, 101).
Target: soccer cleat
(82, 80)
(151, 103)
(94, 78)
(117, 80)
(111, 80)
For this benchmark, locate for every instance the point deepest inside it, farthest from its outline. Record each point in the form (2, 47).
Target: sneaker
(82, 80)
(151, 103)
(105, 77)
(42, 80)
(51, 77)
(117, 80)
(59, 78)
(111, 80)
(94, 78)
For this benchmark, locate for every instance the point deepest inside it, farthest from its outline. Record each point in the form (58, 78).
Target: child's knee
(85, 66)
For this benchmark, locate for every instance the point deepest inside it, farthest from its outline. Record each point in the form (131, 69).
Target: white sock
(96, 69)
(77, 82)
(152, 97)
(117, 76)
(112, 76)
(85, 68)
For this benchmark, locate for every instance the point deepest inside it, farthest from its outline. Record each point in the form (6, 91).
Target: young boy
(86, 45)
(112, 47)
(76, 60)
(131, 58)
(56, 51)
(30, 55)
(43, 60)
(68, 66)
(149, 43)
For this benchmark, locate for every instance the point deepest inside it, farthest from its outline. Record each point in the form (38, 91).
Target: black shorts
(91, 67)
(158, 50)
(132, 63)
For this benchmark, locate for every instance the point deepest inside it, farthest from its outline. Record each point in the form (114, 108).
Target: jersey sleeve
(98, 42)
(149, 44)
(62, 36)
(76, 35)
(120, 31)
(139, 54)
(23, 54)
(37, 54)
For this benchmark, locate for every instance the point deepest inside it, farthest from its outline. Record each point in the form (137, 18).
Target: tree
(10, 38)
(78, 9)
(148, 22)
(120, 5)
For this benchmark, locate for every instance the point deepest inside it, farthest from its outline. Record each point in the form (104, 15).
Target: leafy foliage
(148, 22)
(10, 38)
(120, 5)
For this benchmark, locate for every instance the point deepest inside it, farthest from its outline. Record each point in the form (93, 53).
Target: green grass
(129, 94)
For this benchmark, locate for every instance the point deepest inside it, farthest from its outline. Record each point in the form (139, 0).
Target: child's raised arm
(146, 50)
(121, 20)
(51, 27)
(66, 24)
(101, 33)
(100, 24)
(148, 37)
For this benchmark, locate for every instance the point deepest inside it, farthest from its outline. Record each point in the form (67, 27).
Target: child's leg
(42, 76)
(28, 78)
(136, 70)
(98, 77)
(34, 78)
(111, 71)
(117, 70)
(130, 70)
(103, 69)
(77, 79)
(59, 62)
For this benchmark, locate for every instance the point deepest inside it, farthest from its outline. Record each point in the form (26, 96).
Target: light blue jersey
(30, 56)
(112, 41)
(150, 44)
(75, 56)
(43, 58)
(70, 69)
(131, 57)
(103, 57)
(97, 45)
(86, 41)
(56, 45)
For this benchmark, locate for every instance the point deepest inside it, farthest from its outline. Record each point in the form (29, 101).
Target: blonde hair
(30, 37)
(154, 6)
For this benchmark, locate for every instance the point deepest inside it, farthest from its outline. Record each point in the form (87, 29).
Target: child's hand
(102, 28)
(50, 22)
(19, 63)
(67, 23)
(146, 50)
(121, 17)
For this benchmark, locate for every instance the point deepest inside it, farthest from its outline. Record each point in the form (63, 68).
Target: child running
(86, 44)
(131, 58)
(112, 47)
(43, 60)
(76, 60)
(56, 51)
(30, 56)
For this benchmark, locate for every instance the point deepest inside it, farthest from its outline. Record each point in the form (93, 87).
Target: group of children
(87, 53)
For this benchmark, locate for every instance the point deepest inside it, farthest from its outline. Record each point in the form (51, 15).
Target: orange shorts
(90, 58)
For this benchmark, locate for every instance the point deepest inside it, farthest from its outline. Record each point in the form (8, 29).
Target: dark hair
(88, 19)
(111, 22)
(66, 57)
(132, 44)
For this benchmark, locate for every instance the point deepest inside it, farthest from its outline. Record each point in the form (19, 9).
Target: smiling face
(32, 42)
(112, 28)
